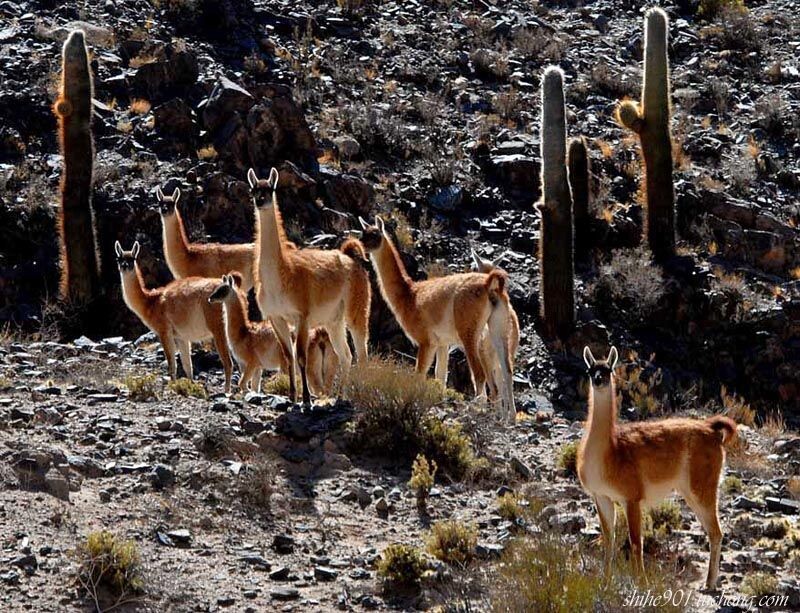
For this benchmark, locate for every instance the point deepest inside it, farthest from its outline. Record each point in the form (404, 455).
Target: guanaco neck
(602, 424)
(139, 299)
(176, 244)
(271, 237)
(397, 286)
(236, 321)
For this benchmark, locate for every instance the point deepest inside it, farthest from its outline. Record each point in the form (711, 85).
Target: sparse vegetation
(737, 408)
(188, 388)
(711, 8)
(110, 569)
(759, 584)
(732, 484)
(568, 459)
(776, 529)
(402, 565)
(666, 516)
(421, 482)
(509, 508)
(142, 388)
(277, 384)
(453, 542)
(256, 485)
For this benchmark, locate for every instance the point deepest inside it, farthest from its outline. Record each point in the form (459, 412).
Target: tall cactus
(578, 162)
(555, 242)
(650, 120)
(80, 279)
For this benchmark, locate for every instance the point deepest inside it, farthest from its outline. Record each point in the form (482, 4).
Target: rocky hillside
(427, 112)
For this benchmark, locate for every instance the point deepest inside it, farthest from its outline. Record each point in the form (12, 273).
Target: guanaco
(210, 260)
(438, 313)
(179, 313)
(308, 287)
(489, 358)
(322, 362)
(640, 464)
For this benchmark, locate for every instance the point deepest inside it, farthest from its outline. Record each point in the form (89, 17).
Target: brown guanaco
(641, 463)
(179, 313)
(308, 287)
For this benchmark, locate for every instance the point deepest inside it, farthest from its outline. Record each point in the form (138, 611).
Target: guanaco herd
(311, 298)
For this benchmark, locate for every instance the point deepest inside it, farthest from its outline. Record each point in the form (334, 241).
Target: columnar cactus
(578, 162)
(80, 279)
(555, 242)
(650, 120)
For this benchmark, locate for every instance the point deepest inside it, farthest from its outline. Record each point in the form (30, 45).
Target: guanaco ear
(252, 179)
(499, 259)
(176, 195)
(364, 224)
(588, 357)
(118, 249)
(159, 194)
(235, 279)
(613, 356)
(273, 178)
(380, 224)
(135, 250)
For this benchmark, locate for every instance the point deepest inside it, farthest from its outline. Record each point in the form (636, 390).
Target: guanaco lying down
(489, 358)
(179, 313)
(256, 348)
(641, 463)
(210, 260)
(438, 313)
(308, 287)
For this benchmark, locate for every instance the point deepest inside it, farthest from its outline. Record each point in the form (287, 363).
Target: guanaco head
(226, 289)
(126, 260)
(263, 190)
(372, 236)
(481, 265)
(600, 372)
(167, 204)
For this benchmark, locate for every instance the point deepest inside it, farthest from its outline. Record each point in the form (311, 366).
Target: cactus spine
(555, 242)
(578, 162)
(80, 279)
(650, 120)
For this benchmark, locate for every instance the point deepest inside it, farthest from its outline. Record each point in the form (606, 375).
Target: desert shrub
(421, 482)
(395, 420)
(188, 388)
(256, 485)
(759, 584)
(776, 529)
(214, 441)
(794, 561)
(737, 408)
(568, 458)
(142, 388)
(107, 563)
(732, 485)
(637, 385)
(453, 542)
(402, 564)
(773, 423)
(508, 507)
(5, 383)
(711, 8)
(666, 516)
(770, 112)
(277, 385)
(793, 487)
(629, 287)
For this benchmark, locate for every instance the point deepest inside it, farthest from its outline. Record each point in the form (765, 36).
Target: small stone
(181, 536)
(783, 505)
(521, 468)
(162, 476)
(325, 573)
(378, 492)
(10, 578)
(284, 594)
(226, 601)
(283, 543)
(382, 505)
(489, 551)
(57, 485)
(743, 502)
(503, 490)
(256, 560)
(280, 574)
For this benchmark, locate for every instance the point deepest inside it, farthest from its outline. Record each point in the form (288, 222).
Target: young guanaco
(639, 464)
(210, 260)
(179, 313)
(438, 313)
(489, 358)
(308, 287)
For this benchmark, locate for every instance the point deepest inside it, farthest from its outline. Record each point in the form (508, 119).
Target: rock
(783, 505)
(181, 536)
(285, 594)
(489, 551)
(225, 101)
(25, 561)
(89, 468)
(324, 573)
(382, 506)
(10, 578)
(567, 524)
(518, 176)
(280, 574)
(162, 476)
(446, 199)
(348, 147)
(283, 543)
(157, 81)
(56, 485)
(256, 560)
(743, 502)
(226, 601)
(177, 119)
(347, 193)
(521, 468)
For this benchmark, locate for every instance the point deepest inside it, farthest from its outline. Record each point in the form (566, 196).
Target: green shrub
(732, 485)
(666, 516)
(421, 482)
(759, 584)
(453, 542)
(108, 562)
(402, 564)
(142, 388)
(568, 459)
(188, 388)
